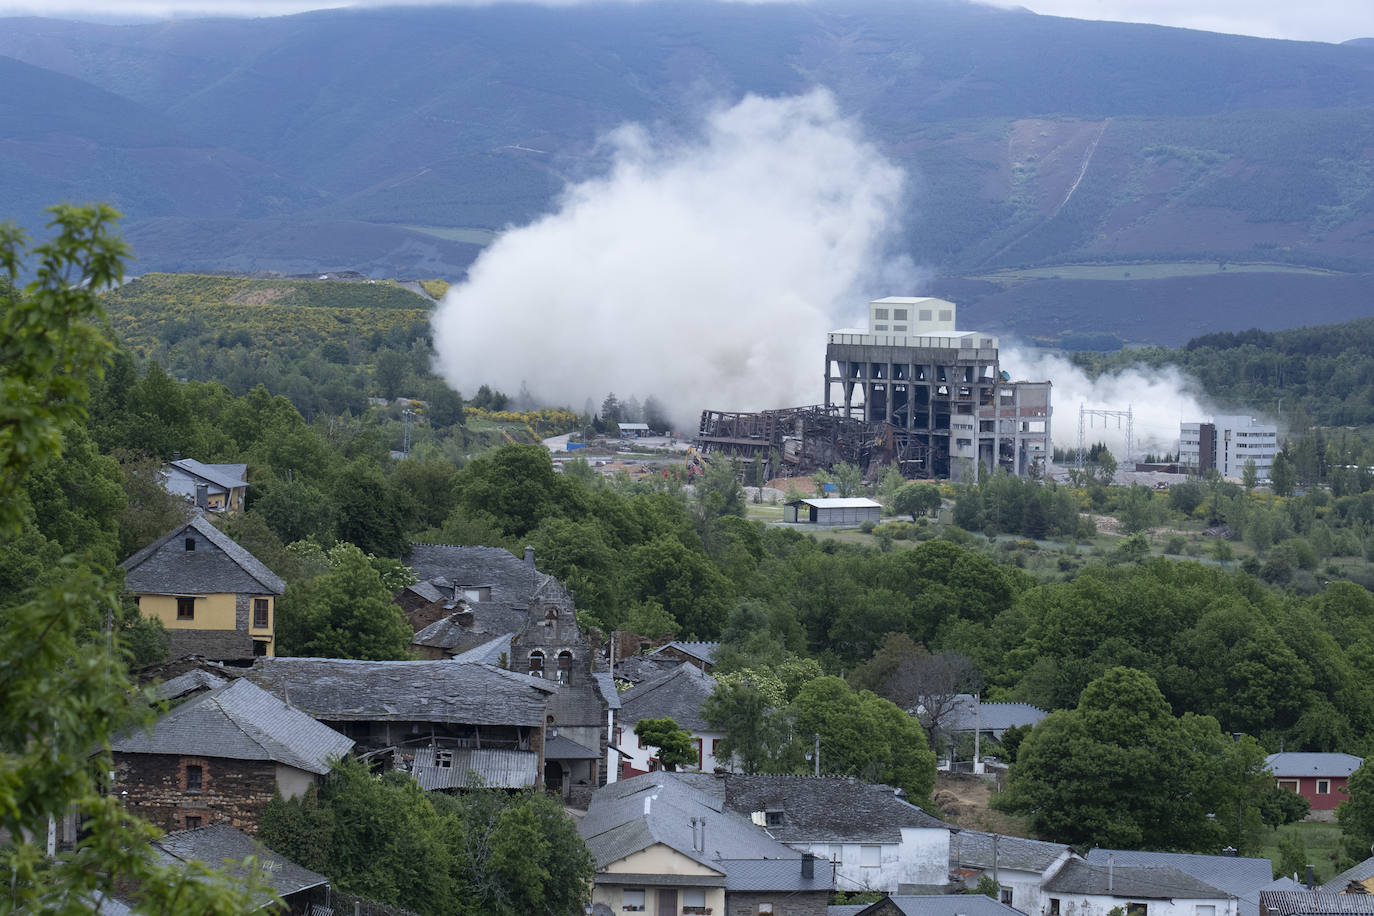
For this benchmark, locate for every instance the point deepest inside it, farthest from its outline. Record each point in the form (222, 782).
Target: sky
(1313, 20)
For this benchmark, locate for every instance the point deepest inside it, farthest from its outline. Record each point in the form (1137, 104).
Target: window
(837, 853)
(765, 909)
(1323, 787)
(772, 819)
(565, 667)
(1290, 784)
(192, 821)
(444, 759)
(260, 648)
(946, 315)
(899, 328)
(619, 735)
(1054, 906)
(1205, 909)
(1137, 909)
(697, 742)
(632, 900)
(186, 608)
(880, 327)
(190, 543)
(880, 314)
(1005, 895)
(693, 900)
(870, 856)
(923, 314)
(194, 777)
(259, 612)
(536, 664)
(899, 314)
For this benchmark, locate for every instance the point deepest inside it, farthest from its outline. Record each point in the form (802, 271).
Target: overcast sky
(1314, 20)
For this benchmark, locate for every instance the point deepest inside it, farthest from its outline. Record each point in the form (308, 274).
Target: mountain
(1117, 171)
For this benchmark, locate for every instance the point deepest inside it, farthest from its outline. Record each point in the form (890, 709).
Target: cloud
(1159, 400)
(702, 271)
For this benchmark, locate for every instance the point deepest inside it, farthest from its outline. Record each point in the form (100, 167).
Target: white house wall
(921, 858)
(638, 757)
(1101, 905)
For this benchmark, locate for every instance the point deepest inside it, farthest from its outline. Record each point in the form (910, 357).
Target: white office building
(1226, 443)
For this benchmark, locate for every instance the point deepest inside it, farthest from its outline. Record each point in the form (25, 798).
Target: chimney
(703, 836)
(464, 618)
(529, 557)
(1311, 879)
(808, 866)
(202, 496)
(1111, 861)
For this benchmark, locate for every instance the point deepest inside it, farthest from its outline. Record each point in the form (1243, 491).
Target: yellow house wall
(212, 612)
(271, 616)
(657, 860)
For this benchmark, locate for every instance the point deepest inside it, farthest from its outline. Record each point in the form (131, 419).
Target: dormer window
(536, 666)
(772, 819)
(190, 544)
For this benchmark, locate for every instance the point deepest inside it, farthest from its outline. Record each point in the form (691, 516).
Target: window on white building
(1137, 909)
(694, 900)
(1205, 909)
(870, 856)
(837, 853)
(632, 900)
(1006, 895)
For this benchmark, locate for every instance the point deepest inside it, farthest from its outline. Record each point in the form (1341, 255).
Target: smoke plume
(1159, 399)
(704, 272)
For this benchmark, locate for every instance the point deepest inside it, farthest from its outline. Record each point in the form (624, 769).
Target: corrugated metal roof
(839, 502)
(470, 768)
(1295, 903)
(240, 721)
(1312, 764)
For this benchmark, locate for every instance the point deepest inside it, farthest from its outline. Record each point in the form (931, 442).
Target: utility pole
(816, 752)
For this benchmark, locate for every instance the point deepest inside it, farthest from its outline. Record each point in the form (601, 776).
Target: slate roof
(217, 565)
(510, 578)
(617, 826)
(1360, 872)
(1159, 883)
(220, 645)
(1312, 764)
(214, 844)
(189, 682)
(677, 695)
(1294, 903)
(487, 653)
(473, 767)
(640, 668)
(991, 717)
(974, 848)
(817, 810)
(608, 692)
(1239, 876)
(241, 721)
(487, 623)
(941, 905)
(224, 476)
(349, 690)
(704, 651)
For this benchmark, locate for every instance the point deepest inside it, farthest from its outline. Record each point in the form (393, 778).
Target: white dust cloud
(703, 272)
(1159, 400)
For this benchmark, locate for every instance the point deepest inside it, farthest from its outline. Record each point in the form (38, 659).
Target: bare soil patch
(966, 801)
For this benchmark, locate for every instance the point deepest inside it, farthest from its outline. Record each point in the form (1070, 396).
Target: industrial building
(939, 388)
(1226, 443)
(911, 391)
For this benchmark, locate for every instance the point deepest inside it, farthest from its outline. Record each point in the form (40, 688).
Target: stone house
(221, 756)
(484, 718)
(216, 599)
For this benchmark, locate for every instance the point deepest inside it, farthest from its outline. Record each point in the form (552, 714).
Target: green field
(471, 236)
(1321, 840)
(1163, 270)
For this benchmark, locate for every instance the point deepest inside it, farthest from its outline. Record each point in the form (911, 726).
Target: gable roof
(702, 651)
(1291, 902)
(839, 502)
(1159, 883)
(1360, 872)
(165, 567)
(975, 848)
(241, 721)
(1312, 764)
(817, 809)
(214, 844)
(630, 815)
(939, 905)
(1239, 876)
(487, 653)
(968, 713)
(344, 690)
(677, 695)
(511, 579)
(225, 476)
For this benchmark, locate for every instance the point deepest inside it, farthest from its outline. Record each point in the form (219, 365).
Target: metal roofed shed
(833, 511)
(472, 768)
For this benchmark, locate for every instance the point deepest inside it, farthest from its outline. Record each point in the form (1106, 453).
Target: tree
(1356, 813)
(1249, 475)
(1106, 468)
(916, 499)
(344, 613)
(1121, 771)
(391, 373)
(1283, 477)
(756, 732)
(64, 694)
(674, 744)
(934, 685)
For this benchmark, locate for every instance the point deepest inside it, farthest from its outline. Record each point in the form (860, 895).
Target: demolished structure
(909, 391)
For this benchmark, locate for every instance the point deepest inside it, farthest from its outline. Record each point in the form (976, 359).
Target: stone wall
(804, 903)
(154, 786)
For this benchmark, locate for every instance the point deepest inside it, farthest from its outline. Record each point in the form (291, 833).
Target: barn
(849, 510)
